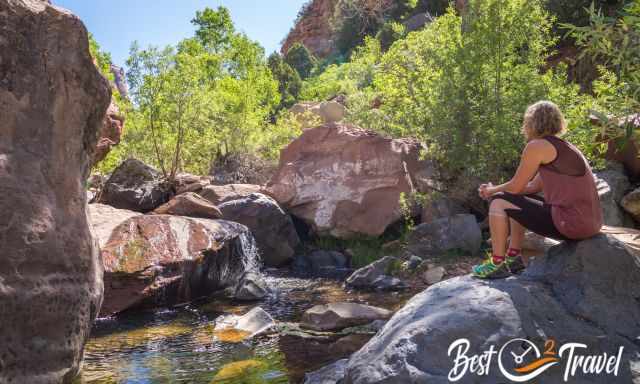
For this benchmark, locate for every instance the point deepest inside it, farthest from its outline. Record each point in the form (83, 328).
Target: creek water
(178, 345)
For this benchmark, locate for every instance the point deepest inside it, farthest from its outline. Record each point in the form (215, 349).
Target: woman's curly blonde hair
(543, 118)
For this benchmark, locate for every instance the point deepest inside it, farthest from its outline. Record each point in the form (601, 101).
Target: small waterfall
(250, 254)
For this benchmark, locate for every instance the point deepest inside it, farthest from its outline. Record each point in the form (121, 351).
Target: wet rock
(272, 228)
(331, 374)
(191, 205)
(612, 184)
(561, 296)
(439, 208)
(155, 260)
(110, 133)
(219, 194)
(135, 186)
(458, 232)
(322, 263)
(377, 276)
(434, 275)
(344, 181)
(104, 219)
(52, 102)
(336, 316)
(255, 322)
(251, 287)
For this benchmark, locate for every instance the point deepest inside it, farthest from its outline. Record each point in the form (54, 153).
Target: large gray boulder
(52, 102)
(582, 292)
(135, 186)
(271, 226)
(457, 232)
(612, 185)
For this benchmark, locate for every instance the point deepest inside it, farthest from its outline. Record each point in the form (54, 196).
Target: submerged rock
(162, 260)
(562, 296)
(272, 228)
(344, 181)
(336, 316)
(458, 232)
(52, 102)
(135, 186)
(191, 205)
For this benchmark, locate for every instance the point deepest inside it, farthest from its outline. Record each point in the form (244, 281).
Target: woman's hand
(486, 190)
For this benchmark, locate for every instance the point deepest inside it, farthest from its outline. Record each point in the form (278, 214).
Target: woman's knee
(498, 207)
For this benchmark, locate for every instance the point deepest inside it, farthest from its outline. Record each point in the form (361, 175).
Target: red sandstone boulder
(191, 205)
(104, 219)
(110, 133)
(153, 260)
(344, 181)
(52, 102)
(218, 194)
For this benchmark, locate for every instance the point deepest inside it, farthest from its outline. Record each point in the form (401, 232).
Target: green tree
(300, 59)
(102, 59)
(289, 82)
(464, 89)
(615, 42)
(214, 28)
(390, 32)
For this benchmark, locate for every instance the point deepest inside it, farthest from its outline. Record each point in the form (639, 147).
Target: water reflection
(181, 346)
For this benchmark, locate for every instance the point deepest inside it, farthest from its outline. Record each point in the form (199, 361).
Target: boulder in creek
(337, 316)
(612, 184)
(135, 186)
(458, 232)
(219, 194)
(322, 263)
(110, 133)
(377, 276)
(272, 228)
(581, 292)
(52, 102)
(104, 219)
(345, 181)
(234, 328)
(154, 260)
(191, 205)
(251, 287)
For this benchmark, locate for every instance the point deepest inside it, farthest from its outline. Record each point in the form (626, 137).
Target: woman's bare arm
(535, 153)
(534, 186)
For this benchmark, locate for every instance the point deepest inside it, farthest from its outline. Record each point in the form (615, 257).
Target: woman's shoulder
(542, 149)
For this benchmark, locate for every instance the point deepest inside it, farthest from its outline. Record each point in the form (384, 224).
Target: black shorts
(534, 214)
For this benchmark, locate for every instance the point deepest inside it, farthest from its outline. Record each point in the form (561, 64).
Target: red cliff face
(313, 29)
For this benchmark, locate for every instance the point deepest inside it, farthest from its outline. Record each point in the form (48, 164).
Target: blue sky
(117, 23)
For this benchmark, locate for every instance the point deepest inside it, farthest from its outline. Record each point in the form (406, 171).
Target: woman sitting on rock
(570, 209)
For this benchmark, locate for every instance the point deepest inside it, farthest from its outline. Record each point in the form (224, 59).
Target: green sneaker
(515, 263)
(489, 270)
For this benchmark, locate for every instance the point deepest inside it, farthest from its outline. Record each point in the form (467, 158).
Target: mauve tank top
(570, 188)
